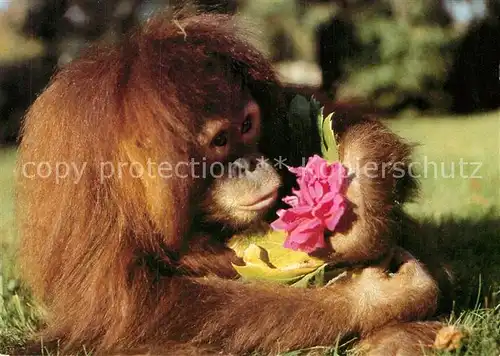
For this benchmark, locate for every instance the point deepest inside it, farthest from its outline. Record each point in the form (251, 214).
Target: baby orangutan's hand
(410, 293)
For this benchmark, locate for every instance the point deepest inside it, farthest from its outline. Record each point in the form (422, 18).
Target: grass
(461, 216)
(484, 326)
(17, 317)
(442, 143)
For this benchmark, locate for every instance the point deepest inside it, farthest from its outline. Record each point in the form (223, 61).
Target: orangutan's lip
(261, 202)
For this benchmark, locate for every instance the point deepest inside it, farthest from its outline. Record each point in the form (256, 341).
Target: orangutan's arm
(243, 317)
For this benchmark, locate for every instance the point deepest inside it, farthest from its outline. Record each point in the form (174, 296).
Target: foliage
(266, 259)
(20, 316)
(482, 330)
(286, 30)
(400, 64)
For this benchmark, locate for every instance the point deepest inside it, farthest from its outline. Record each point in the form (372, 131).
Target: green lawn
(461, 215)
(474, 140)
(7, 235)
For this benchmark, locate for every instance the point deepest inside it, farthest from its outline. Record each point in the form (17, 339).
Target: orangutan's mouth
(262, 202)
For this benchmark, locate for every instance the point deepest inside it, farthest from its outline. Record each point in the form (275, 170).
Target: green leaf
(319, 276)
(257, 272)
(316, 277)
(299, 112)
(316, 109)
(329, 146)
(310, 130)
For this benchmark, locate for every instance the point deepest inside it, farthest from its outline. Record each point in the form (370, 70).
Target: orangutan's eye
(247, 125)
(220, 140)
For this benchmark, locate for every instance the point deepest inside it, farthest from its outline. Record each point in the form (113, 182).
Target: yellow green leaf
(256, 272)
(266, 258)
(317, 276)
(329, 147)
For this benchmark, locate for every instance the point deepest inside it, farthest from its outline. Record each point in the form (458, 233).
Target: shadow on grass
(469, 250)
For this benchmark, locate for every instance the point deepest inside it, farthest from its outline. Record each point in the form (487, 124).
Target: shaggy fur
(120, 262)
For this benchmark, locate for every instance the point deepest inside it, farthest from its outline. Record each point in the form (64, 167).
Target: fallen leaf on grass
(449, 338)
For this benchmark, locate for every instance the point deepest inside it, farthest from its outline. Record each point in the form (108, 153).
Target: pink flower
(317, 206)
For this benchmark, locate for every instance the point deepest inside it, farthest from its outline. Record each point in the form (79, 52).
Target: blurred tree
(65, 27)
(285, 29)
(427, 12)
(336, 43)
(474, 81)
(404, 55)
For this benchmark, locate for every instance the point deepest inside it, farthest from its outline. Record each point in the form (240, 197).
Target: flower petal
(308, 236)
(305, 194)
(337, 177)
(339, 207)
(323, 206)
(316, 205)
(289, 219)
(291, 200)
(317, 191)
